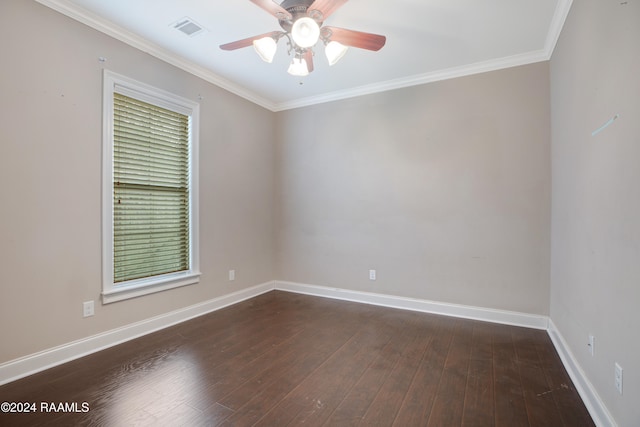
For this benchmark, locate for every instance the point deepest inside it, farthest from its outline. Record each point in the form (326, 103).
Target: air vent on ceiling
(188, 26)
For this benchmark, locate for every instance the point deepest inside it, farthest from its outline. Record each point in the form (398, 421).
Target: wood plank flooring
(287, 359)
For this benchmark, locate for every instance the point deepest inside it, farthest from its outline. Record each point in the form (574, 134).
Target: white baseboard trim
(456, 310)
(597, 409)
(31, 364)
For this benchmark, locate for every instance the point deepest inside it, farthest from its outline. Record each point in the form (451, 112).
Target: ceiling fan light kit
(298, 67)
(302, 22)
(334, 51)
(305, 32)
(266, 48)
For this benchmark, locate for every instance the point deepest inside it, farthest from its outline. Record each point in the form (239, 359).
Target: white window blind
(150, 190)
(150, 237)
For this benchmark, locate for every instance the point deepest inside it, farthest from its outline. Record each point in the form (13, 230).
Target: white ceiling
(427, 40)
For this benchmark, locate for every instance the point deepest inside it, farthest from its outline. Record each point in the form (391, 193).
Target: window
(150, 191)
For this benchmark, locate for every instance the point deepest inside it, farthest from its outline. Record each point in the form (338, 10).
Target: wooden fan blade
(273, 8)
(327, 7)
(239, 44)
(356, 38)
(308, 56)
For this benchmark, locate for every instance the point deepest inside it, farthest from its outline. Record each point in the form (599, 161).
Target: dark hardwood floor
(286, 359)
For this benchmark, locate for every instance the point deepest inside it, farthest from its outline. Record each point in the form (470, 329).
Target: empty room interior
(457, 248)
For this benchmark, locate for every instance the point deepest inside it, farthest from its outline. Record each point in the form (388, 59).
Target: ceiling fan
(302, 22)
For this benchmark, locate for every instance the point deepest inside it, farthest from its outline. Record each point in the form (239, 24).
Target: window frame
(112, 292)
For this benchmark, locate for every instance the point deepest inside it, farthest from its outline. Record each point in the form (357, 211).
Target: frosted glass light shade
(298, 67)
(335, 51)
(305, 32)
(266, 48)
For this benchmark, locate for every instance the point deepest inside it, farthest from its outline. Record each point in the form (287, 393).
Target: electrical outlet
(590, 344)
(87, 309)
(372, 275)
(618, 378)
(232, 275)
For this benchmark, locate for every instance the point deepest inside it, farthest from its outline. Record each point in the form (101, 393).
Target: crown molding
(419, 79)
(96, 22)
(557, 23)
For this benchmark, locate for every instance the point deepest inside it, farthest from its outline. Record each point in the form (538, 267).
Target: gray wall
(50, 168)
(444, 189)
(595, 274)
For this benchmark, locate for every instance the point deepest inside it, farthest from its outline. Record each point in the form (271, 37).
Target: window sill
(138, 288)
